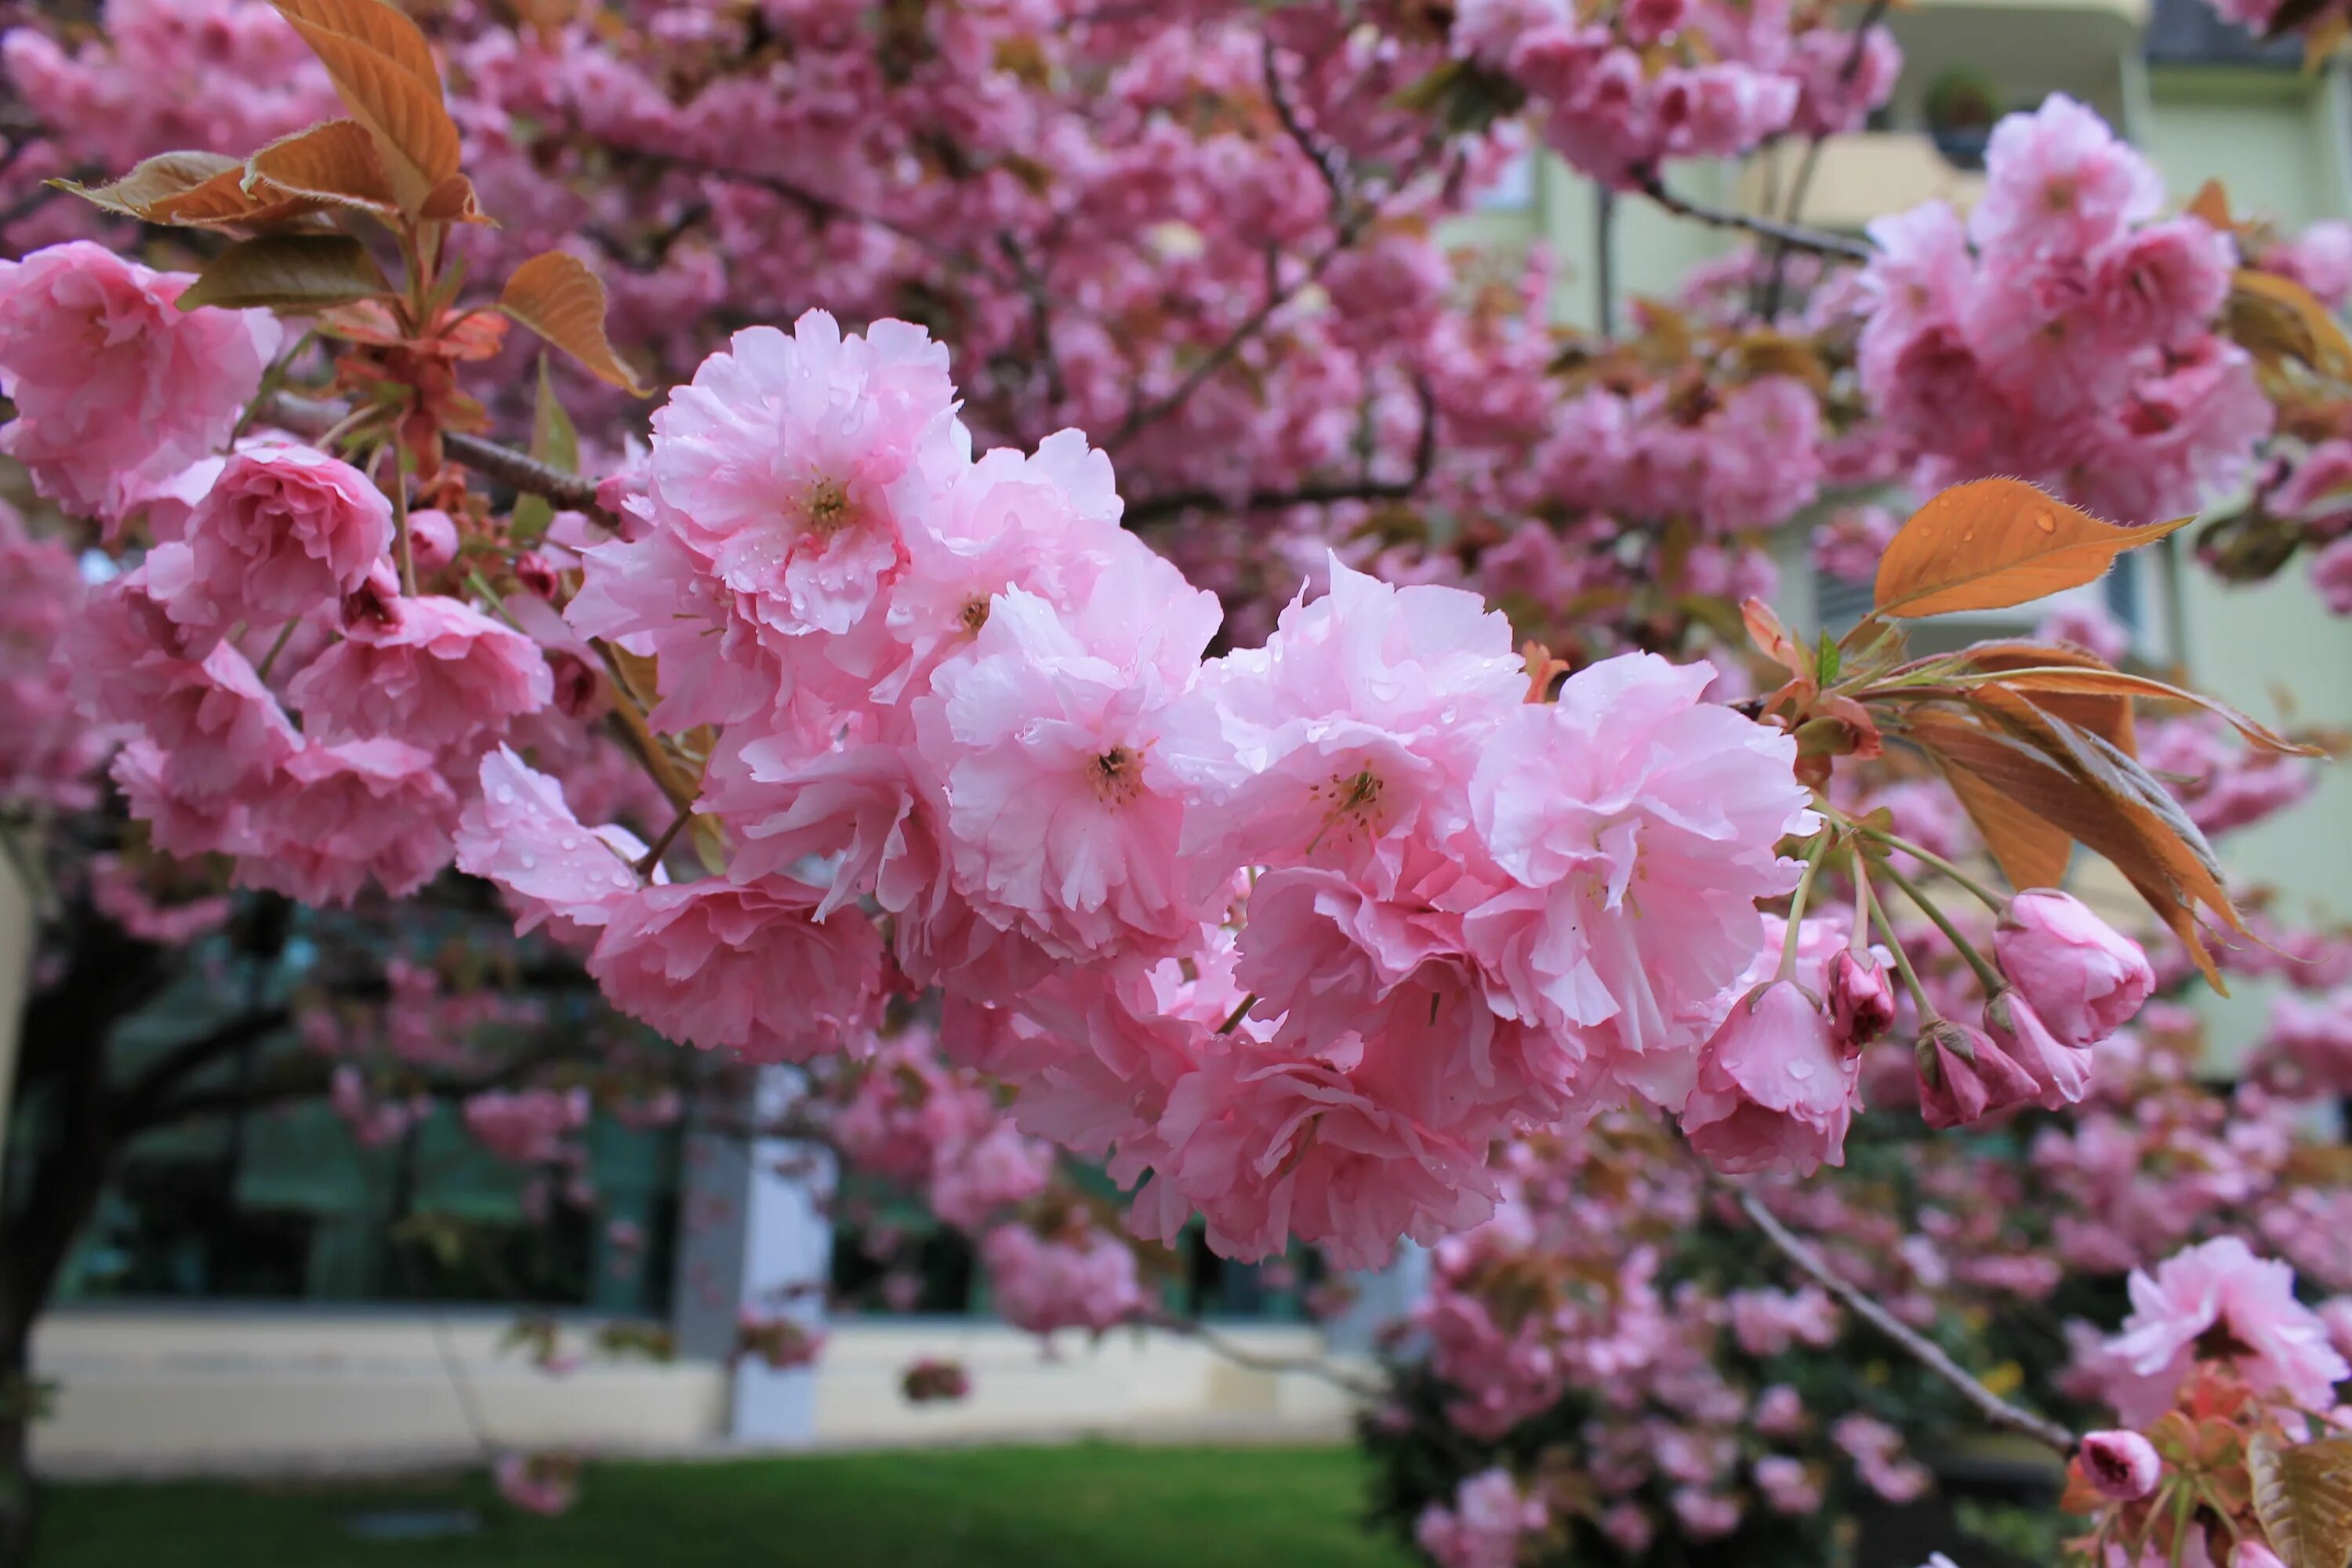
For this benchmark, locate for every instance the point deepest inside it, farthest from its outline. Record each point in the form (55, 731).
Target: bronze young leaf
(557, 297)
(383, 70)
(2303, 1495)
(1994, 543)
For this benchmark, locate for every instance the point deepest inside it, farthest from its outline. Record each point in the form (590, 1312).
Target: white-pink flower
(432, 671)
(282, 531)
(2219, 1299)
(784, 463)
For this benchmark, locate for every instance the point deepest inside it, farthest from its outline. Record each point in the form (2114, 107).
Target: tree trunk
(19, 1399)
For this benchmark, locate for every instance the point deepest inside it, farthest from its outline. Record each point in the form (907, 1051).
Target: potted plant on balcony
(1962, 108)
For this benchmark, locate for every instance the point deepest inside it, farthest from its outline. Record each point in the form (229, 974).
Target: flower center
(827, 508)
(1351, 804)
(974, 614)
(1117, 775)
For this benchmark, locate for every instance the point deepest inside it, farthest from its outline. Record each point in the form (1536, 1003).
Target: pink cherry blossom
(784, 463)
(283, 531)
(2221, 1291)
(1774, 1089)
(1637, 826)
(743, 966)
(518, 832)
(1043, 1283)
(115, 386)
(432, 671)
(352, 813)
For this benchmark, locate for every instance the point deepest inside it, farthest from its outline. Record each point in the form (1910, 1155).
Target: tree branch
(1992, 1406)
(518, 470)
(1306, 1366)
(1819, 241)
(1769, 305)
(1153, 508)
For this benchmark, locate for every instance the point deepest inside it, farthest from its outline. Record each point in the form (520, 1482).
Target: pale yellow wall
(2277, 142)
(164, 1391)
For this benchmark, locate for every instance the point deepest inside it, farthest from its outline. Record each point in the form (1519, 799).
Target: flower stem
(285, 634)
(652, 857)
(1234, 1020)
(1927, 1013)
(1991, 901)
(400, 515)
(1815, 856)
(1987, 975)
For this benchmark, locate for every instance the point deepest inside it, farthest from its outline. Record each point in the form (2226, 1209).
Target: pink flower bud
(432, 539)
(1773, 1089)
(2061, 1071)
(1862, 998)
(2085, 980)
(2121, 1465)
(1965, 1076)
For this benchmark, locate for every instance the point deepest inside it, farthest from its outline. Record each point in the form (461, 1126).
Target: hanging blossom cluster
(1297, 930)
(1618, 88)
(2063, 332)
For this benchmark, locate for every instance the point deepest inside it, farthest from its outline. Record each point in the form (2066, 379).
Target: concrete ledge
(156, 1392)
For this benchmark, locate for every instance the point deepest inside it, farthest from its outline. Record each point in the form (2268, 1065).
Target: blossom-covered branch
(1925, 1352)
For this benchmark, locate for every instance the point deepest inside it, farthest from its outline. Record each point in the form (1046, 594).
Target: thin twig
(1307, 1366)
(1770, 304)
(517, 470)
(1925, 1352)
(1819, 241)
(1152, 509)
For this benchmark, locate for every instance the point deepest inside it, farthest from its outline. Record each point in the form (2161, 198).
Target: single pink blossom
(1774, 1089)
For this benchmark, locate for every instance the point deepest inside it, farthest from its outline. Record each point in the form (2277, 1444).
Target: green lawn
(1095, 1506)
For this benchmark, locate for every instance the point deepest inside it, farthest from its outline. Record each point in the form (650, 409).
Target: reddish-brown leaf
(2030, 851)
(2086, 789)
(453, 201)
(2211, 204)
(2048, 686)
(1994, 543)
(383, 70)
(557, 297)
(2101, 712)
(2275, 318)
(335, 161)
(194, 190)
(2303, 1495)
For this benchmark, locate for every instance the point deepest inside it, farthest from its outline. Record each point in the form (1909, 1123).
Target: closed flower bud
(1862, 998)
(1965, 1076)
(2085, 979)
(2121, 1466)
(2063, 1071)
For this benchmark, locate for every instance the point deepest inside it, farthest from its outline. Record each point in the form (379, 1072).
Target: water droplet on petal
(1800, 1071)
(530, 862)
(567, 842)
(503, 795)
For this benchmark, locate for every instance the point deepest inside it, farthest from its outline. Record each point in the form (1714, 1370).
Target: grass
(1093, 1506)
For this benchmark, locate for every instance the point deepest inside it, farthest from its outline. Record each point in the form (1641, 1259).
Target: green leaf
(1828, 661)
(289, 271)
(554, 441)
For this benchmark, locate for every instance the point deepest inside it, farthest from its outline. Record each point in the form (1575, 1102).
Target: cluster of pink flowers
(270, 587)
(2063, 332)
(52, 755)
(527, 1126)
(1298, 930)
(1486, 1528)
(908, 1117)
(1617, 89)
(1074, 1276)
